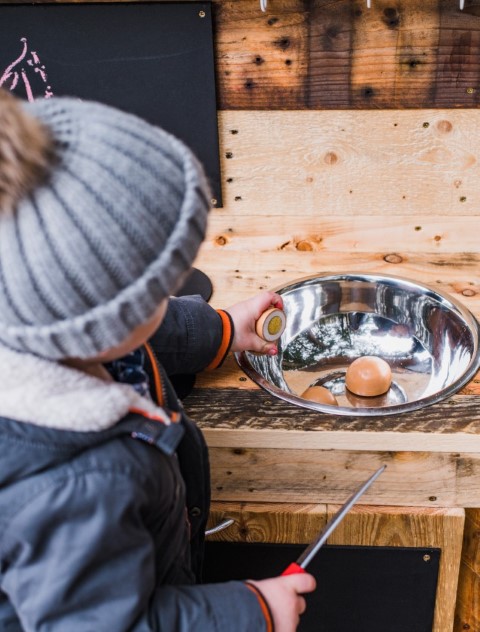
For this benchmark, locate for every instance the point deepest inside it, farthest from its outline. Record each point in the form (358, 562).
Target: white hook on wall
(263, 5)
(462, 4)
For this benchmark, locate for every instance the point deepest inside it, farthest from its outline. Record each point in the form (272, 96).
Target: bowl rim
(474, 325)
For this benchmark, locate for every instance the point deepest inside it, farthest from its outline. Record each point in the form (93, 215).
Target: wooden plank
(255, 419)
(330, 46)
(338, 163)
(458, 73)
(238, 229)
(280, 523)
(422, 527)
(467, 616)
(261, 58)
(407, 55)
(417, 479)
(239, 275)
(393, 60)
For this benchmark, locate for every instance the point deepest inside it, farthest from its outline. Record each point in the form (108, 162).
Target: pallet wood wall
(349, 143)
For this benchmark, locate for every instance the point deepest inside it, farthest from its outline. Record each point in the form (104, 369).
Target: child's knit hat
(95, 230)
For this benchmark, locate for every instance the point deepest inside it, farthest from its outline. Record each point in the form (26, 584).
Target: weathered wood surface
(467, 616)
(332, 55)
(364, 526)
(349, 163)
(416, 479)
(240, 274)
(280, 523)
(264, 449)
(263, 420)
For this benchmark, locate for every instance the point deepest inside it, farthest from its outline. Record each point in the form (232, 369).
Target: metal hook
(369, 4)
(462, 4)
(263, 5)
(220, 527)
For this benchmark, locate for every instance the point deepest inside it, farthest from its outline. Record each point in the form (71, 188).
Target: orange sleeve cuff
(227, 337)
(267, 613)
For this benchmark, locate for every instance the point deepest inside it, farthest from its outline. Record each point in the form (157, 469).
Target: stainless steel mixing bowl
(430, 341)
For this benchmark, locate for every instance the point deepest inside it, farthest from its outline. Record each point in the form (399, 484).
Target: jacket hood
(51, 395)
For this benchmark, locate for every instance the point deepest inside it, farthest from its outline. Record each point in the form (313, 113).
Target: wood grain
(280, 523)
(408, 55)
(264, 420)
(422, 527)
(344, 163)
(467, 615)
(417, 479)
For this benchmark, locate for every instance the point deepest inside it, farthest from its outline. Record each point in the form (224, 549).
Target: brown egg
(271, 324)
(368, 376)
(320, 394)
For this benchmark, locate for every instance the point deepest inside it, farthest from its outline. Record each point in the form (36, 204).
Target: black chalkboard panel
(155, 60)
(359, 588)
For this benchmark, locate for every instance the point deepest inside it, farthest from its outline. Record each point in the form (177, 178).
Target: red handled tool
(306, 557)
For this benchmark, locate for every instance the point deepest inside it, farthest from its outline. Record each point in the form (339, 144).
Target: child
(104, 485)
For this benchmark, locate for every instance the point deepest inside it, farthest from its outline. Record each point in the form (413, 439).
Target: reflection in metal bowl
(430, 341)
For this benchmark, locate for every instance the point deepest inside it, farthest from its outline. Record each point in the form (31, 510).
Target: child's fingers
(302, 582)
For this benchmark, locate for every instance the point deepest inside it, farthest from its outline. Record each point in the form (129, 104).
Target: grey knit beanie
(89, 253)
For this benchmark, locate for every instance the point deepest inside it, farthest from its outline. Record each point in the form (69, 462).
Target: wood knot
(331, 158)
(368, 92)
(391, 17)
(444, 126)
(221, 241)
(283, 43)
(469, 292)
(304, 246)
(393, 258)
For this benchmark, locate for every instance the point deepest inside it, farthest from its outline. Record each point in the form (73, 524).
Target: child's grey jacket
(94, 535)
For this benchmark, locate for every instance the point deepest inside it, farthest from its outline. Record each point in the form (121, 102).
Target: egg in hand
(320, 394)
(368, 376)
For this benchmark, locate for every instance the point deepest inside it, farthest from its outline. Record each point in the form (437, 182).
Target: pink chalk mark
(28, 88)
(8, 71)
(42, 74)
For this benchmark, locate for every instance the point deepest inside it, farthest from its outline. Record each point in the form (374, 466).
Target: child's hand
(245, 315)
(284, 596)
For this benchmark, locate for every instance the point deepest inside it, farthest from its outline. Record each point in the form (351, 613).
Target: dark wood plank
(458, 70)
(331, 32)
(323, 55)
(262, 58)
(231, 408)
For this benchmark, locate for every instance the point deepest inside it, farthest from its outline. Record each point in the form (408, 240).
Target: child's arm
(194, 336)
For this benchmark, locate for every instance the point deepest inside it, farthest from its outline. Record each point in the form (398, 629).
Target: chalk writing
(18, 72)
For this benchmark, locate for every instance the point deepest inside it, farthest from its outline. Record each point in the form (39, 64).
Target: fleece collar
(49, 394)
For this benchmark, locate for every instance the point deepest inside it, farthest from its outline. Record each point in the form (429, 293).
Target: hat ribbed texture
(89, 255)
